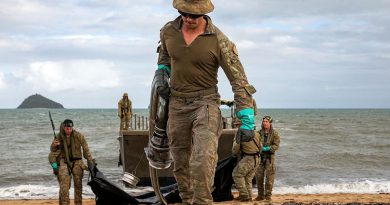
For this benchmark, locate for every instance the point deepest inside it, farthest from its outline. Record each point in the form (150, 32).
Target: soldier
(125, 111)
(191, 51)
(270, 140)
(244, 172)
(73, 146)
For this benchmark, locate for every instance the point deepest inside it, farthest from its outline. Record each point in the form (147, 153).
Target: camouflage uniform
(244, 172)
(124, 112)
(71, 164)
(267, 165)
(194, 123)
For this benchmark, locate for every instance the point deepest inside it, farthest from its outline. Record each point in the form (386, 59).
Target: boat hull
(133, 159)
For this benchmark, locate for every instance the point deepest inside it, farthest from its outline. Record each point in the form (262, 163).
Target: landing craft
(137, 171)
(133, 141)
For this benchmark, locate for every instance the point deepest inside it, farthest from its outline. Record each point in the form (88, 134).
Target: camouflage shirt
(194, 67)
(125, 107)
(272, 139)
(252, 147)
(80, 146)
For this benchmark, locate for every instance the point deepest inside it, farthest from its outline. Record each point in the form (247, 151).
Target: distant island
(38, 101)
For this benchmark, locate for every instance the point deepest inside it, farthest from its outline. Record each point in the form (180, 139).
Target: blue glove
(266, 149)
(247, 118)
(54, 165)
(246, 133)
(164, 67)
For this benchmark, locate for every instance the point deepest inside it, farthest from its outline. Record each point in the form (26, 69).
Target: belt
(251, 154)
(200, 93)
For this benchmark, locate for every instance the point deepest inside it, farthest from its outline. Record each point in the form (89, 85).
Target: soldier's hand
(164, 92)
(56, 142)
(92, 163)
(266, 149)
(54, 166)
(161, 83)
(246, 133)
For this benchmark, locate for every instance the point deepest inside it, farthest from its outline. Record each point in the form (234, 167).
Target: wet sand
(276, 199)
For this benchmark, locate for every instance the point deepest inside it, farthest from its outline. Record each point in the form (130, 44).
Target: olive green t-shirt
(194, 67)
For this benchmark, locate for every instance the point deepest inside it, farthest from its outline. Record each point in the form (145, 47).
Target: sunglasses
(191, 16)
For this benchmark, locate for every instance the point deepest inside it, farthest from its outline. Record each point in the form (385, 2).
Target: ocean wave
(38, 192)
(360, 187)
(51, 192)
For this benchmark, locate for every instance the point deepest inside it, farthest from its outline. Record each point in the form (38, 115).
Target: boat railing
(139, 122)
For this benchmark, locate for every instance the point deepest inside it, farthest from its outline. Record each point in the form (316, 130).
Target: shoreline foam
(290, 199)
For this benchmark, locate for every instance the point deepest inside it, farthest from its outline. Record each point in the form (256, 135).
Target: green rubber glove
(247, 118)
(54, 165)
(266, 149)
(246, 133)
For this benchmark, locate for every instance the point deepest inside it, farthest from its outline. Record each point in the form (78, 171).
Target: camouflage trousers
(125, 122)
(265, 175)
(194, 127)
(244, 173)
(65, 181)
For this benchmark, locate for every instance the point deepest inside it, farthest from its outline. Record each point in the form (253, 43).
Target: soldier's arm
(55, 144)
(119, 109)
(276, 142)
(234, 71)
(258, 140)
(236, 147)
(164, 59)
(86, 153)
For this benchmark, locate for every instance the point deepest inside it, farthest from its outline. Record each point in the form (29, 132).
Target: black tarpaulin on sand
(108, 193)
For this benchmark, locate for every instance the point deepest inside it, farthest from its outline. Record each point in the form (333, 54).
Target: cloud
(2, 82)
(99, 49)
(81, 75)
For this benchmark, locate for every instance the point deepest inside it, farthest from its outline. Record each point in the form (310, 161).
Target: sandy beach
(277, 199)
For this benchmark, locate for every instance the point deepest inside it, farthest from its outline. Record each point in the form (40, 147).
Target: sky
(297, 53)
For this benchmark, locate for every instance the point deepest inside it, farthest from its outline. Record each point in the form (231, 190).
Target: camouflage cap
(125, 95)
(198, 7)
(269, 118)
(68, 123)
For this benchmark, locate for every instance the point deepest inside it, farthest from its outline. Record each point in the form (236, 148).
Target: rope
(139, 161)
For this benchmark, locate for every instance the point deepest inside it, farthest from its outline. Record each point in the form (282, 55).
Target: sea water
(321, 150)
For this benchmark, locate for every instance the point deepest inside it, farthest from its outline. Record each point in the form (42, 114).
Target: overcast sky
(297, 53)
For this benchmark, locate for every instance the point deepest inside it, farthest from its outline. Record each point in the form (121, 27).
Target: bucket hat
(198, 7)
